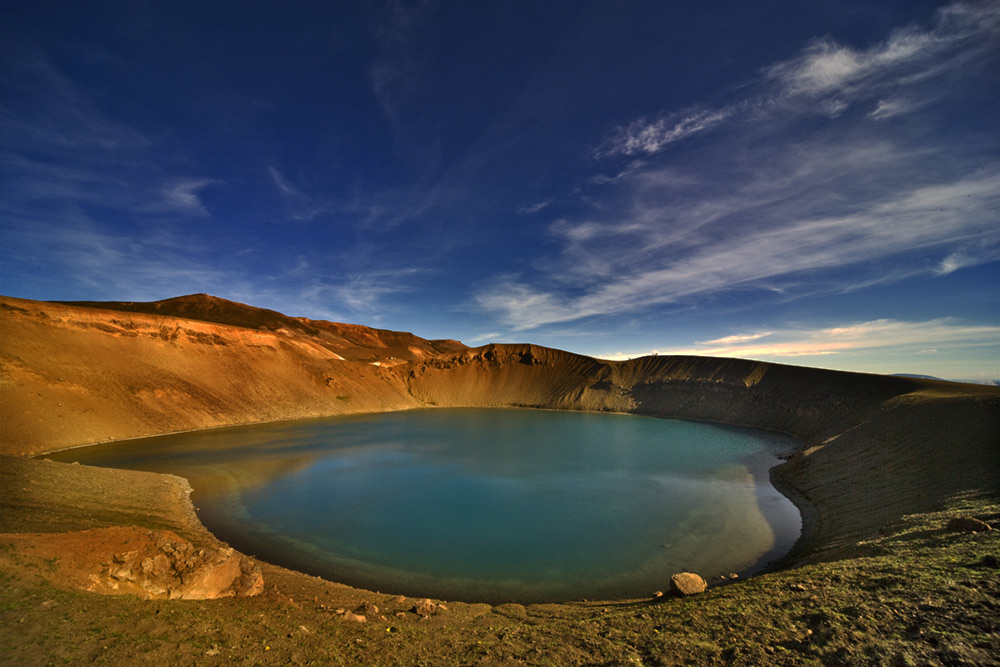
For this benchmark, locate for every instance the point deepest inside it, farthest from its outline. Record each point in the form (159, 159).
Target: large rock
(366, 608)
(687, 583)
(426, 608)
(167, 566)
(129, 560)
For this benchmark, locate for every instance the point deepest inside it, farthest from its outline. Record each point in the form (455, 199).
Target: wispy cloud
(364, 292)
(94, 262)
(395, 74)
(926, 218)
(909, 54)
(284, 187)
(892, 107)
(954, 262)
(182, 195)
(484, 338)
(61, 149)
(533, 208)
(367, 292)
(646, 136)
(735, 339)
(103, 203)
(775, 199)
(828, 77)
(52, 115)
(98, 263)
(299, 206)
(931, 336)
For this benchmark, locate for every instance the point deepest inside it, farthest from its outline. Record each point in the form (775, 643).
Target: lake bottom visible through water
(486, 505)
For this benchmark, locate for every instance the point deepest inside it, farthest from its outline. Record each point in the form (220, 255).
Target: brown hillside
(352, 341)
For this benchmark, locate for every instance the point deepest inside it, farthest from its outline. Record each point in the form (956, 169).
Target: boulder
(687, 583)
(168, 566)
(366, 609)
(425, 608)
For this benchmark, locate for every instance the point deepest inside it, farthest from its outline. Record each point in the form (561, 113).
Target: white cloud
(958, 260)
(776, 203)
(826, 66)
(899, 337)
(485, 338)
(735, 338)
(924, 218)
(53, 116)
(183, 195)
(61, 150)
(138, 267)
(356, 293)
(284, 187)
(909, 54)
(828, 78)
(533, 208)
(396, 74)
(299, 206)
(645, 136)
(889, 108)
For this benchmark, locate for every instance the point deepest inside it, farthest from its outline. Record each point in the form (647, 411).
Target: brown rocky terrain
(876, 451)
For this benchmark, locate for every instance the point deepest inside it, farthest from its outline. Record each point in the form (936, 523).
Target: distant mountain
(914, 375)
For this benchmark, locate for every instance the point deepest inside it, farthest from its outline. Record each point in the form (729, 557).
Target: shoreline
(761, 566)
(266, 553)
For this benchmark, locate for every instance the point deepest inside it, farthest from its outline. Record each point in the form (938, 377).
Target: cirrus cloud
(931, 337)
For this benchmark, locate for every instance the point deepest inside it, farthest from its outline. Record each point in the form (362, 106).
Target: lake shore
(668, 495)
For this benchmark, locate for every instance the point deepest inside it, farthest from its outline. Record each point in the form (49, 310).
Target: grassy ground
(918, 595)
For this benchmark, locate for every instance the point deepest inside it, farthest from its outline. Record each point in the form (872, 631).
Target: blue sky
(815, 183)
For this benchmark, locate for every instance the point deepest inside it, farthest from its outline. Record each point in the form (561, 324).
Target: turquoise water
(484, 505)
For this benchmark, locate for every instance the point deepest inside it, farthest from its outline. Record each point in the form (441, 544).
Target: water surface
(484, 505)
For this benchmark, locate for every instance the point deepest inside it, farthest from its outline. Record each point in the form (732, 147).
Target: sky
(814, 183)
